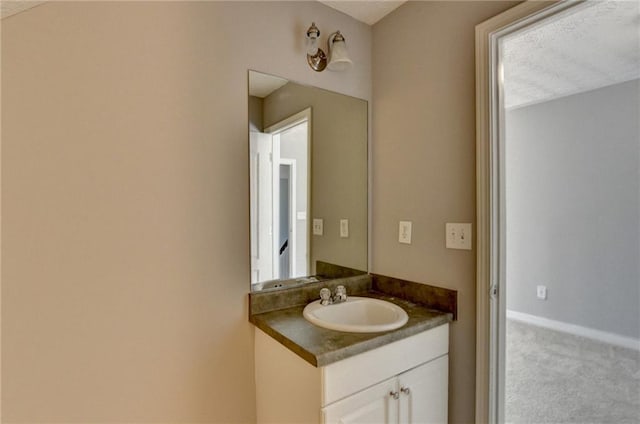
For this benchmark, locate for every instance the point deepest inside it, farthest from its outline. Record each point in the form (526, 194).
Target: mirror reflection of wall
(308, 160)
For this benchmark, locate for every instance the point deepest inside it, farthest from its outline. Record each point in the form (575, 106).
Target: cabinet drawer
(350, 375)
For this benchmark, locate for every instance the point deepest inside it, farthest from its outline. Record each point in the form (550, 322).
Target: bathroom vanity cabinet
(405, 381)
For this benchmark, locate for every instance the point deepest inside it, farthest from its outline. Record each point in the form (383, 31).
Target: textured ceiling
(589, 46)
(367, 11)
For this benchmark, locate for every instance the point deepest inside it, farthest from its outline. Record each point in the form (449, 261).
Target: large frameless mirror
(308, 181)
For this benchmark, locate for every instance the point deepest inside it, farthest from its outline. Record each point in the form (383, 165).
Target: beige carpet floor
(554, 377)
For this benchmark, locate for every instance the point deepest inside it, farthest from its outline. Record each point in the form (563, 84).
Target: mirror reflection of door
(280, 199)
(260, 176)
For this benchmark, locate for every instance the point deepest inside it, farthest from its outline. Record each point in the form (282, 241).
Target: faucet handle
(325, 296)
(341, 294)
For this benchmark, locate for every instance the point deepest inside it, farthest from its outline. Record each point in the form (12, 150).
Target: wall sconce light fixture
(337, 48)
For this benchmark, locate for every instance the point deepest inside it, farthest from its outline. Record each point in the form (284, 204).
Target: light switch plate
(344, 228)
(458, 236)
(318, 227)
(404, 232)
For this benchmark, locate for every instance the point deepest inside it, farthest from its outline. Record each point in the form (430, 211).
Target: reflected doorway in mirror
(279, 176)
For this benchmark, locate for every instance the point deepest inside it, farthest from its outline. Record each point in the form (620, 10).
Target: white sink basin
(357, 315)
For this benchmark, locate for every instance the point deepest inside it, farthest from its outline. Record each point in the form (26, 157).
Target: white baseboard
(590, 333)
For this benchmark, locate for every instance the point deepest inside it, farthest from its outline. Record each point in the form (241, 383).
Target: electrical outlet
(541, 292)
(404, 232)
(344, 228)
(317, 227)
(458, 236)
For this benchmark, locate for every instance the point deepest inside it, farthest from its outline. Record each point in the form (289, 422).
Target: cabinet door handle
(394, 395)
(405, 390)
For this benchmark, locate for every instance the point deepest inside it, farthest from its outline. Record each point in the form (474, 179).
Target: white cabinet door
(375, 405)
(424, 393)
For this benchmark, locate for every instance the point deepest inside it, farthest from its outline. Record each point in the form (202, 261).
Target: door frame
(490, 308)
(304, 115)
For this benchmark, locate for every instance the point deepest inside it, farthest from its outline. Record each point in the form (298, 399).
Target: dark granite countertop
(320, 346)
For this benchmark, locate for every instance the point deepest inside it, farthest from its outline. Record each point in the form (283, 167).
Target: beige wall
(125, 243)
(338, 171)
(424, 160)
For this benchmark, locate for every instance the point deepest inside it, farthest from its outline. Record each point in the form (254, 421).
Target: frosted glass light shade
(312, 45)
(312, 39)
(338, 55)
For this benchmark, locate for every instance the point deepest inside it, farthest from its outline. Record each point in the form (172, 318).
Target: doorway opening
(280, 190)
(287, 216)
(558, 165)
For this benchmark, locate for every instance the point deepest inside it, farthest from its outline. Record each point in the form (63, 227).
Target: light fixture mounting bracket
(318, 62)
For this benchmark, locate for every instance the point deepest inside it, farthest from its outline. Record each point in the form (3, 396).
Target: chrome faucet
(339, 296)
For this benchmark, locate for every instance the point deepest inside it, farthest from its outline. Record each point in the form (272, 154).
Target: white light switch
(317, 227)
(344, 228)
(458, 236)
(404, 232)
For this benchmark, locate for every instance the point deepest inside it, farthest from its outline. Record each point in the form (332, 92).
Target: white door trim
(488, 127)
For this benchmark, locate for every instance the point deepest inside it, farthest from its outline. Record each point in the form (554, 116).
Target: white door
(375, 405)
(424, 393)
(261, 192)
